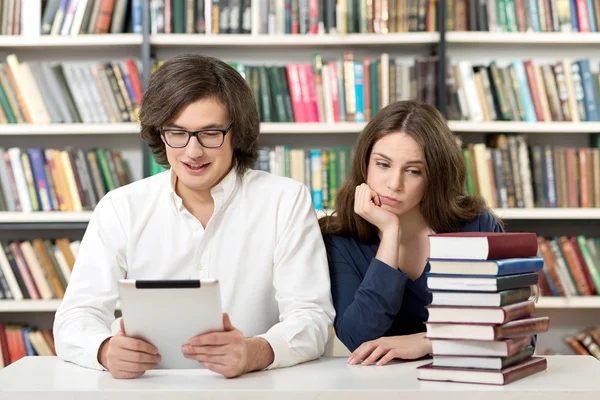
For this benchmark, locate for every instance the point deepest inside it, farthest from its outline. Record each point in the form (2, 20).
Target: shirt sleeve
(83, 319)
(365, 308)
(302, 285)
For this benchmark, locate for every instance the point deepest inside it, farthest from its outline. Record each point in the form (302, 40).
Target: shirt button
(199, 267)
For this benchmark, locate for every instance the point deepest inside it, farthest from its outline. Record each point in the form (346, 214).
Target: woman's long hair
(446, 203)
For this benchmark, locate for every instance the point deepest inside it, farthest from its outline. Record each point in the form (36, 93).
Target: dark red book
(482, 245)
(504, 376)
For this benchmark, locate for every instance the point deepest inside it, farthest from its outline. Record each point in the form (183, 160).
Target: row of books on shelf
(482, 318)
(70, 92)
(11, 17)
(585, 342)
(18, 341)
(571, 266)
(565, 266)
(348, 90)
(523, 15)
(74, 17)
(292, 16)
(322, 170)
(509, 173)
(37, 269)
(565, 90)
(71, 179)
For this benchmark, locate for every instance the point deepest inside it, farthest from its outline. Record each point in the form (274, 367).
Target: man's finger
(126, 375)
(227, 326)
(202, 359)
(138, 346)
(211, 339)
(138, 357)
(122, 324)
(128, 366)
(205, 350)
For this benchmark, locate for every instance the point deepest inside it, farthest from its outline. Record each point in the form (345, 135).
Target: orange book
(574, 266)
(105, 16)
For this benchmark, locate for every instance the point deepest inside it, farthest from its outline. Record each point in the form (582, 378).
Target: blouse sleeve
(365, 307)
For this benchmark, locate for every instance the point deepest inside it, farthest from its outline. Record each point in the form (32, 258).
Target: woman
(407, 181)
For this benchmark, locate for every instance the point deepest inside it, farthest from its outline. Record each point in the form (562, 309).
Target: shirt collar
(221, 193)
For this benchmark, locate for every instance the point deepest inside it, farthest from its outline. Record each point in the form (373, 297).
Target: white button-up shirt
(262, 243)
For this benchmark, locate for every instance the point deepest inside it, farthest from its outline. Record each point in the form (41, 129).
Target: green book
(469, 181)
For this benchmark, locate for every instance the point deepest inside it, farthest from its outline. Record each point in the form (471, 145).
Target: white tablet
(168, 313)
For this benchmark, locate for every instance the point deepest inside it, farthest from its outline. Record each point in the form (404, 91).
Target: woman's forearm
(388, 248)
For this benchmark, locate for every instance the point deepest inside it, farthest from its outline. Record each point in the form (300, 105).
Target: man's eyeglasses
(209, 138)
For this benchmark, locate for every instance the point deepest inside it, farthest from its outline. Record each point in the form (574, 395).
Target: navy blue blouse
(371, 299)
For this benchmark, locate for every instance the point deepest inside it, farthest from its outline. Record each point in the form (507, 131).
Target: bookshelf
(71, 42)
(56, 217)
(545, 47)
(524, 38)
(563, 128)
(50, 306)
(309, 128)
(124, 128)
(262, 48)
(559, 214)
(331, 40)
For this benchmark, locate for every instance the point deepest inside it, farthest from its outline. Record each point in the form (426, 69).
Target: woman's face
(396, 171)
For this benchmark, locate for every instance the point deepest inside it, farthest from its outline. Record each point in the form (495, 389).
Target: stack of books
(481, 321)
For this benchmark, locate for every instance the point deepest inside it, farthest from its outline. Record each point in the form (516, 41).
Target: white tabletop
(567, 377)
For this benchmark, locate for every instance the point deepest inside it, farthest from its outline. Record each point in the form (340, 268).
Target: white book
(37, 272)
(7, 271)
(468, 83)
(15, 162)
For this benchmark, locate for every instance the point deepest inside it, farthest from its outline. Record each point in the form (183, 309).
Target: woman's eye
(382, 164)
(414, 172)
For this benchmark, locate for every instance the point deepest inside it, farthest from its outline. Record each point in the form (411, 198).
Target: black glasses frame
(196, 133)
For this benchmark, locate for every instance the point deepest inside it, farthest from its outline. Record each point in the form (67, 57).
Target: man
(208, 216)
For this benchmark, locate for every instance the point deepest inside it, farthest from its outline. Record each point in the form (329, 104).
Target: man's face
(198, 168)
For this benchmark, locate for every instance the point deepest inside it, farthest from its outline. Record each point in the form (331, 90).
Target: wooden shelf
(589, 302)
(308, 128)
(126, 39)
(270, 128)
(8, 217)
(548, 213)
(29, 305)
(18, 306)
(524, 38)
(403, 39)
(569, 302)
(70, 129)
(524, 127)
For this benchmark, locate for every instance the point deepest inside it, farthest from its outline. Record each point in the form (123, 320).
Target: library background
(518, 81)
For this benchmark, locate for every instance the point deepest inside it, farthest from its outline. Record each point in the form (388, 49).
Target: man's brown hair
(445, 204)
(187, 78)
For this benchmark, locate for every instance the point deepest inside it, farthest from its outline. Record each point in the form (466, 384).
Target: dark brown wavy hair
(187, 78)
(446, 203)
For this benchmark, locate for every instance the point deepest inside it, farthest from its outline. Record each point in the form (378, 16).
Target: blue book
(524, 90)
(505, 267)
(359, 115)
(589, 91)
(29, 350)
